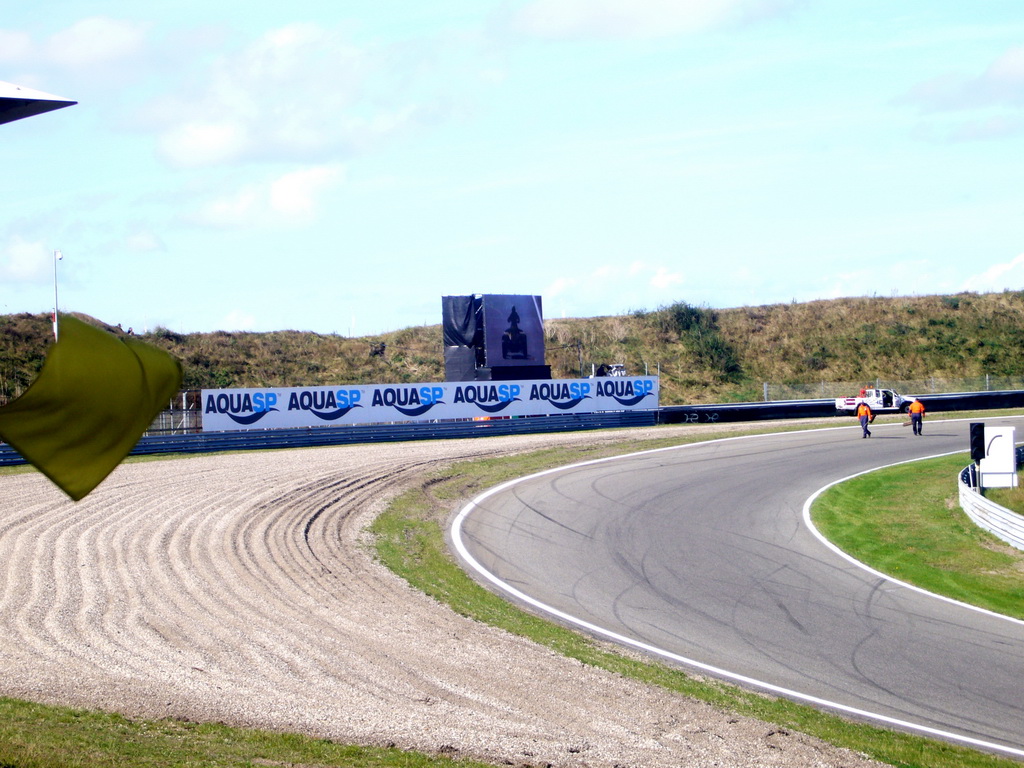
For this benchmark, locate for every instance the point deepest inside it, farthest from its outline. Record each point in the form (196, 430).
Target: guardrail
(715, 414)
(803, 409)
(250, 440)
(986, 514)
(205, 442)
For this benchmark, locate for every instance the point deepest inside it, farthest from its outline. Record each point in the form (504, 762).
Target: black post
(977, 441)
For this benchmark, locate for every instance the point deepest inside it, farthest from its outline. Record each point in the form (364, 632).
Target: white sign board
(999, 467)
(274, 408)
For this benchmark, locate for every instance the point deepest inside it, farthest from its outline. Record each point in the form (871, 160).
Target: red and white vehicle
(878, 400)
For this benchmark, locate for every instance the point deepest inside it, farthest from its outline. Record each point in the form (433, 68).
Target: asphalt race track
(701, 554)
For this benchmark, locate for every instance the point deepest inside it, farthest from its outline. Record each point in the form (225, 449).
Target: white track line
(456, 533)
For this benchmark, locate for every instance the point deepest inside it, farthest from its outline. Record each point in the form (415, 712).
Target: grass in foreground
(37, 736)
(410, 540)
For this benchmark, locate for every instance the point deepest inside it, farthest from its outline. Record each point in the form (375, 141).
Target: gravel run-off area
(243, 589)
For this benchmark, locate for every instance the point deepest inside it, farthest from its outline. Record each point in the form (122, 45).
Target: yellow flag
(95, 396)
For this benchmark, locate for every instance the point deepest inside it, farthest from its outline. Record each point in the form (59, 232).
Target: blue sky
(340, 166)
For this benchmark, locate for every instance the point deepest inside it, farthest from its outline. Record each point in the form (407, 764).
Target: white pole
(57, 256)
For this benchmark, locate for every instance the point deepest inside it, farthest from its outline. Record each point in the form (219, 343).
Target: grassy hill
(702, 355)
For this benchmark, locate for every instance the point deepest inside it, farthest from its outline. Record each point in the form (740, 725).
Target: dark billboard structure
(513, 330)
(463, 328)
(493, 337)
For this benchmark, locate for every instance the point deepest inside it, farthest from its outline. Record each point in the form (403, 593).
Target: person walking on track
(866, 416)
(916, 416)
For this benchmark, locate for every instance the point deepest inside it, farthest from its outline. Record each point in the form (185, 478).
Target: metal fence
(308, 437)
(997, 520)
(177, 421)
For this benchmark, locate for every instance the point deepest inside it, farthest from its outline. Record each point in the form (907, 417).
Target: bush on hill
(702, 355)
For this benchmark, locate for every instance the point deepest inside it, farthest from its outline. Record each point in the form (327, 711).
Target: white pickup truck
(878, 400)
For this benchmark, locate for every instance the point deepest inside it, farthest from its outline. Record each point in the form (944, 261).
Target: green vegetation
(699, 334)
(702, 355)
(410, 540)
(23, 342)
(37, 736)
(906, 521)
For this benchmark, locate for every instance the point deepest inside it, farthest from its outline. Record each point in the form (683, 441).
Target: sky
(338, 166)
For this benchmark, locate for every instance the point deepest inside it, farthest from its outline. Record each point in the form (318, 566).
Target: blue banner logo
(490, 398)
(562, 395)
(326, 405)
(626, 392)
(409, 401)
(242, 408)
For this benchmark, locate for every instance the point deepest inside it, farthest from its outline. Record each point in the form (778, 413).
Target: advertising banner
(274, 408)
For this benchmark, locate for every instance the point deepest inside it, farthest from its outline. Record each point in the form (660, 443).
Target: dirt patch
(239, 589)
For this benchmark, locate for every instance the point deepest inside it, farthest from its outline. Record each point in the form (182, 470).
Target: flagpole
(57, 255)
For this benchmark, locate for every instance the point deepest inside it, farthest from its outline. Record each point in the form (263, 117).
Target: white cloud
(1001, 84)
(96, 40)
(23, 261)
(1009, 275)
(568, 19)
(298, 93)
(15, 46)
(287, 200)
(996, 127)
(560, 286)
(144, 240)
(199, 144)
(665, 278)
(237, 320)
(233, 210)
(1008, 68)
(614, 288)
(295, 194)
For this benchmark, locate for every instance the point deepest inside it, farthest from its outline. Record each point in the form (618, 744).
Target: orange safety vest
(917, 407)
(863, 410)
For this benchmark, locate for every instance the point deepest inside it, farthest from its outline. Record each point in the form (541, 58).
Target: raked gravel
(242, 589)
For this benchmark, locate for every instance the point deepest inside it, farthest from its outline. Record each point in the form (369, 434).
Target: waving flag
(95, 396)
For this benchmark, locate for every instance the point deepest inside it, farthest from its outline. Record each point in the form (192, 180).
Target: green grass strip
(38, 736)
